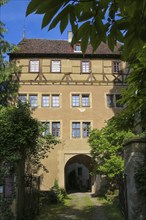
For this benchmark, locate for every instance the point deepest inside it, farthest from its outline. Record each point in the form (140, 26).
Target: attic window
(77, 48)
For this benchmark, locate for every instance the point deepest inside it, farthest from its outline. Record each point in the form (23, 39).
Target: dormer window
(77, 48)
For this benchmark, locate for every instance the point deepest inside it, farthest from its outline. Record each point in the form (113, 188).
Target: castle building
(70, 93)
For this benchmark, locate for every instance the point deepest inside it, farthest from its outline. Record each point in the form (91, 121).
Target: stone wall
(133, 156)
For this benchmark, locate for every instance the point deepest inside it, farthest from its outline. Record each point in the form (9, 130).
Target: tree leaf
(59, 17)
(84, 28)
(63, 23)
(85, 16)
(85, 42)
(111, 41)
(32, 7)
(48, 16)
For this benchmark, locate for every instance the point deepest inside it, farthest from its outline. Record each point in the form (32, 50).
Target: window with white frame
(33, 100)
(75, 100)
(46, 128)
(80, 129)
(80, 100)
(76, 132)
(116, 66)
(45, 100)
(55, 101)
(86, 129)
(22, 98)
(113, 101)
(56, 129)
(34, 66)
(85, 66)
(85, 100)
(77, 48)
(55, 66)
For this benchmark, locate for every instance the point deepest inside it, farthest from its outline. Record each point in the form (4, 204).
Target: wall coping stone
(134, 140)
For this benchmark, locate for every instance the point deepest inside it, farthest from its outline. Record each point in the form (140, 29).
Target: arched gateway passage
(77, 173)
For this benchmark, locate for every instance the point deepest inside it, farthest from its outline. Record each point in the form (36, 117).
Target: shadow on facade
(77, 174)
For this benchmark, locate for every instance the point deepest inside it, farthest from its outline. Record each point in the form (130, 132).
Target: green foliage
(8, 83)
(8, 71)
(21, 135)
(19, 130)
(61, 195)
(96, 21)
(54, 196)
(134, 96)
(21, 143)
(56, 186)
(5, 210)
(107, 150)
(110, 205)
(59, 192)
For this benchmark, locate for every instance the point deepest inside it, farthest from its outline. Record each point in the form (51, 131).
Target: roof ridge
(44, 39)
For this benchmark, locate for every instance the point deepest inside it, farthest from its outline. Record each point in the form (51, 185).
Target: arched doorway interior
(77, 174)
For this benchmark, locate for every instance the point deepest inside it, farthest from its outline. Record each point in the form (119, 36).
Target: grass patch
(53, 211)
(111, 208)
(87, 201)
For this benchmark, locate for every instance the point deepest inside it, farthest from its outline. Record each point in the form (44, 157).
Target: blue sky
(12, 15)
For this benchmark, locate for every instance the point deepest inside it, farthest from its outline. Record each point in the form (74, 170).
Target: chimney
(69, 36)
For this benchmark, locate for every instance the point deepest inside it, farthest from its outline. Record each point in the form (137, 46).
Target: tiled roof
(44, 46)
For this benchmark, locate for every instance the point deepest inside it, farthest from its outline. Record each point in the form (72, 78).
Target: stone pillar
(133, 156)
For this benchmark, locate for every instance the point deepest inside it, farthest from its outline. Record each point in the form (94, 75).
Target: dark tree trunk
(20, 193)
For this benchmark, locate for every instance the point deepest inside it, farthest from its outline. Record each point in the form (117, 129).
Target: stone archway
(77, 173)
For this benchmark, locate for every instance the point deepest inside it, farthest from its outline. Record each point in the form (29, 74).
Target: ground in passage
(80, 206)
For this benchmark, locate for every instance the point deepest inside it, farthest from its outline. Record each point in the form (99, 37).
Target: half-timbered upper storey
(57, 62)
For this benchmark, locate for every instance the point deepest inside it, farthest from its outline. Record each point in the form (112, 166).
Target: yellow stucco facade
(81, 100)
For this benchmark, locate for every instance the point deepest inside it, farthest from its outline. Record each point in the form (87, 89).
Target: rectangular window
(55, 101)
(110, 100)
(56, 129)
(116, 66)
(22, 98)
(113, 101)
(76, 129)
(56, 66)
(45, 100)
(85, 129)
(34, 66)
(85, 100)
(85, 66)
(46, 128)
(33, 99)
(75, 100)
(80, 100)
